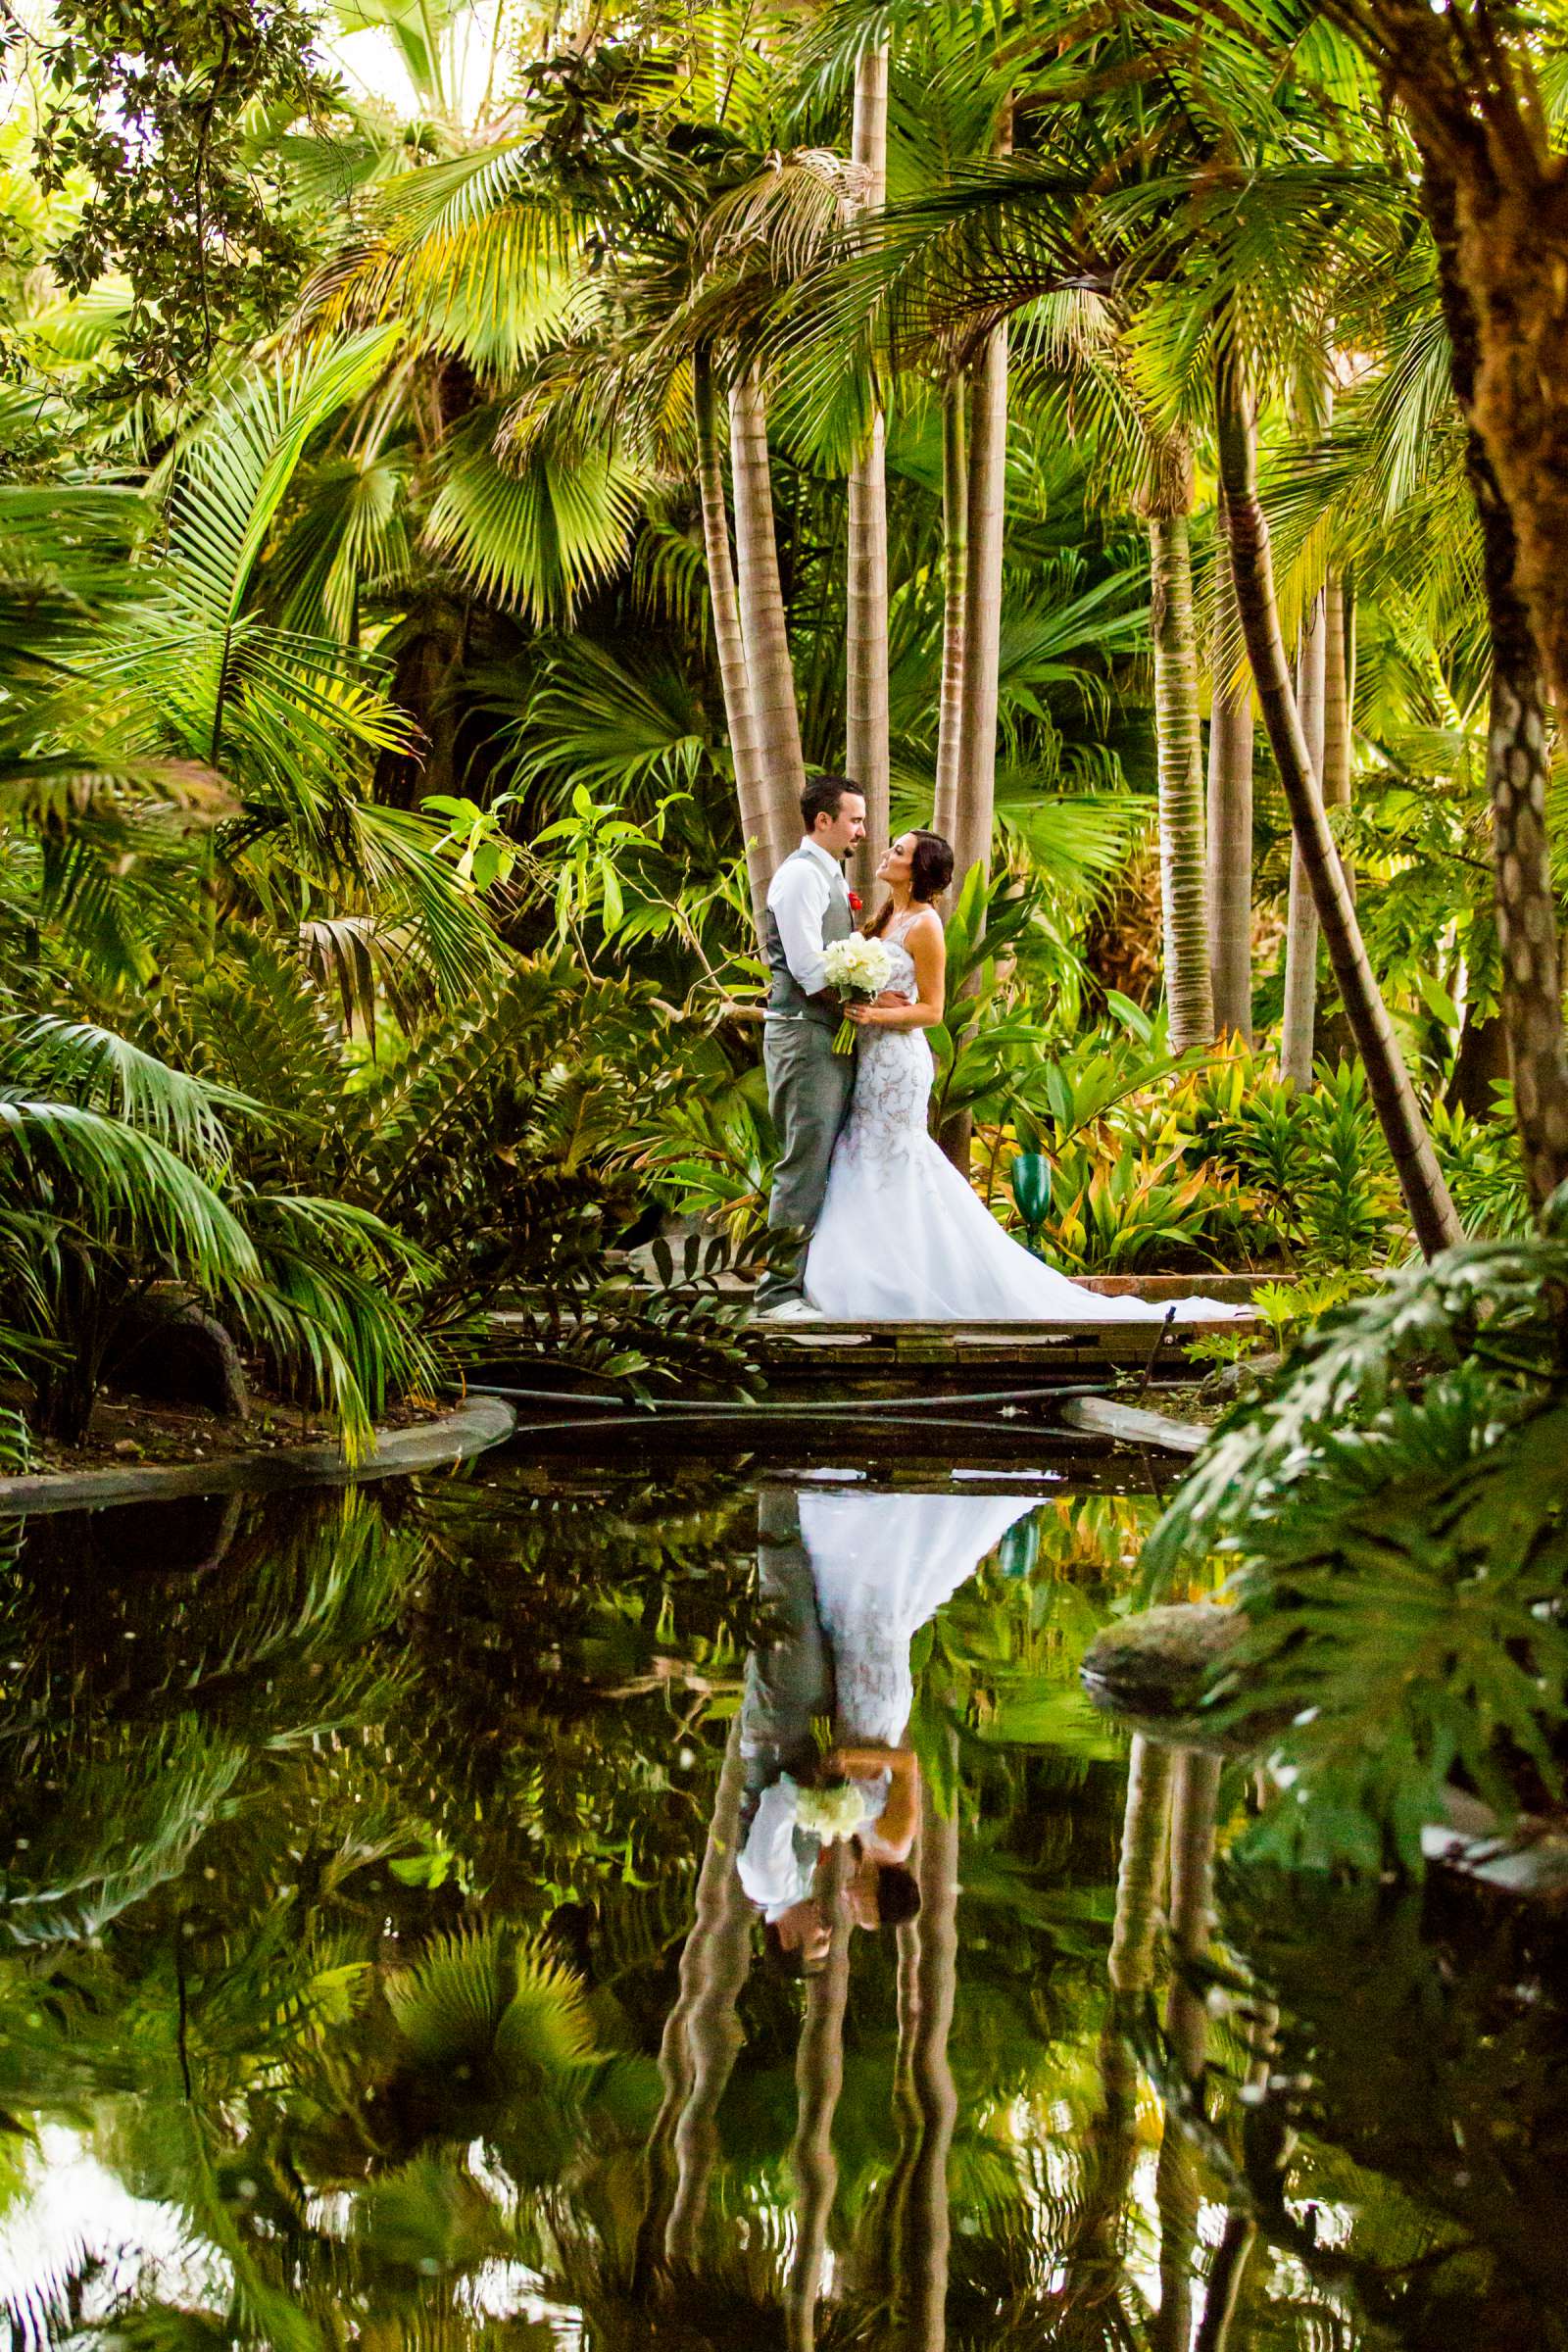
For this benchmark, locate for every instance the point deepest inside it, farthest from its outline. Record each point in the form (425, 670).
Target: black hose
(785, 1408)
(648, 1421)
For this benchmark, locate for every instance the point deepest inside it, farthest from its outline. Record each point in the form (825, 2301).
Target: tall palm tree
(1166, 503)
(1300, 924)
(1230, 811)
(865, 716)
(769, 669)
(985, 510)
(758, 832)
(955, 599)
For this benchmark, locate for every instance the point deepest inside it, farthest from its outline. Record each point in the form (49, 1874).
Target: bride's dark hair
(930, 872)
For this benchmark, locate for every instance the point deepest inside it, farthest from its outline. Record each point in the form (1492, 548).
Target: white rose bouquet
(858, 968)
(835, 1810)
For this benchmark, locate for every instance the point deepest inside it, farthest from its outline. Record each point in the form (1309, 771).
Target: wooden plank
(1104, 1417)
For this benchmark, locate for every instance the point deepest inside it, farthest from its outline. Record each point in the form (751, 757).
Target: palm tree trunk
(954, 592)
(1300, 928)
(1230, 815)
(1517, 768)
(1178, 735)
(1338, 695)
(745, 743)
(866, 650)
(974, 802)
(984, 522)
(1432, 1213)
(762, 610)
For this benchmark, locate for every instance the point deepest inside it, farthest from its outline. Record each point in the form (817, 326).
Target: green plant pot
(1030, 1179)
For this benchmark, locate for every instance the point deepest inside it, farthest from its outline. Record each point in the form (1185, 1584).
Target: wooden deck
(979, 1355)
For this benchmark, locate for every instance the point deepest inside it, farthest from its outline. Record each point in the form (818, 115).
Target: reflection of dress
(903, 1239)
(880, 1565)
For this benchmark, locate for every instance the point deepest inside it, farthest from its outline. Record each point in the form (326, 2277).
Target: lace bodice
(903, 982)
(893, 1072)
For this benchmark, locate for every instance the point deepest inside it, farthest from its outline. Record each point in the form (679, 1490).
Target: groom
(808, 1085)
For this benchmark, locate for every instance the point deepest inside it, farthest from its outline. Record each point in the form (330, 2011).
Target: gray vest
(786, 995)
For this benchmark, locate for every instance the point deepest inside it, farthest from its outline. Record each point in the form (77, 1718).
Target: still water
(408, 1894)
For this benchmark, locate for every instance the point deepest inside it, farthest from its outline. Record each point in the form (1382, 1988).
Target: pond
(406, 1892)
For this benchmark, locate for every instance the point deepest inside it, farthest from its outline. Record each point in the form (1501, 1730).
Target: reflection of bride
(849, 1577)
(901, 1236)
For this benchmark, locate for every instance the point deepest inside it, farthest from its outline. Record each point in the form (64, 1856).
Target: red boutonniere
(855, 904)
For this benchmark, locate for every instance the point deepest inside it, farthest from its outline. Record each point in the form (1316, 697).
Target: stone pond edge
(469, 1429)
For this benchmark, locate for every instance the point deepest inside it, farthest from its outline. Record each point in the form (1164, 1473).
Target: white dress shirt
(774, 1877)
(800, 896)
(774, 1872)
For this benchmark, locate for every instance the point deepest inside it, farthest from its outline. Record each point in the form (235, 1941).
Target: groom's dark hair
(821, 798)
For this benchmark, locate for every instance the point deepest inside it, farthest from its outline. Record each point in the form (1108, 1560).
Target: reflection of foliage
(1426, 2076)
(403, 2090)
(1394, 1512)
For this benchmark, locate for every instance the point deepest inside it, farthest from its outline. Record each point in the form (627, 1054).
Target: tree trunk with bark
(740, 717)
(1496, 192)
(1426, 1195)
(762, 610)
(1300, 928)
(1517, 766)
(1166, 508)
(1230, 815)
(865, 760)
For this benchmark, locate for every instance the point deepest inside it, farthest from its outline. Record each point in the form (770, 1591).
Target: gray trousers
(789, 1674)
(808, 1089)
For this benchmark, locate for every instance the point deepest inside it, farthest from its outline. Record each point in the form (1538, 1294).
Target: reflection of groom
(808, 1085)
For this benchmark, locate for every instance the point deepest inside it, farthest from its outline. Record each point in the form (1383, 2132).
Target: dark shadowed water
(402, 1891)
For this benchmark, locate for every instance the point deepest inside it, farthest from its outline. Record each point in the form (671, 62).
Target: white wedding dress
(903, 1239)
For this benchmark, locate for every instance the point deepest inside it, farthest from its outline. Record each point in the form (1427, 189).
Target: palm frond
(231, 480)
(104, 1071)
(536, 539)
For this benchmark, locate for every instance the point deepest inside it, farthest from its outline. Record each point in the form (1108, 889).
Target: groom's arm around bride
(808, 1085)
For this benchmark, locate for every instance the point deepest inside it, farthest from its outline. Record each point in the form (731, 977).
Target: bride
(903, 1238)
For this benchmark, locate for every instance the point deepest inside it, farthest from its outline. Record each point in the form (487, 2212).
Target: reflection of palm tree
(1094, 2265)
(713, 1968)
(714, 1881)
(818, 2080)
(1195, 1787)
(924, 2242)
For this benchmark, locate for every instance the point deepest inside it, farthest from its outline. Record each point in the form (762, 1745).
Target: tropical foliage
(459, 473)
